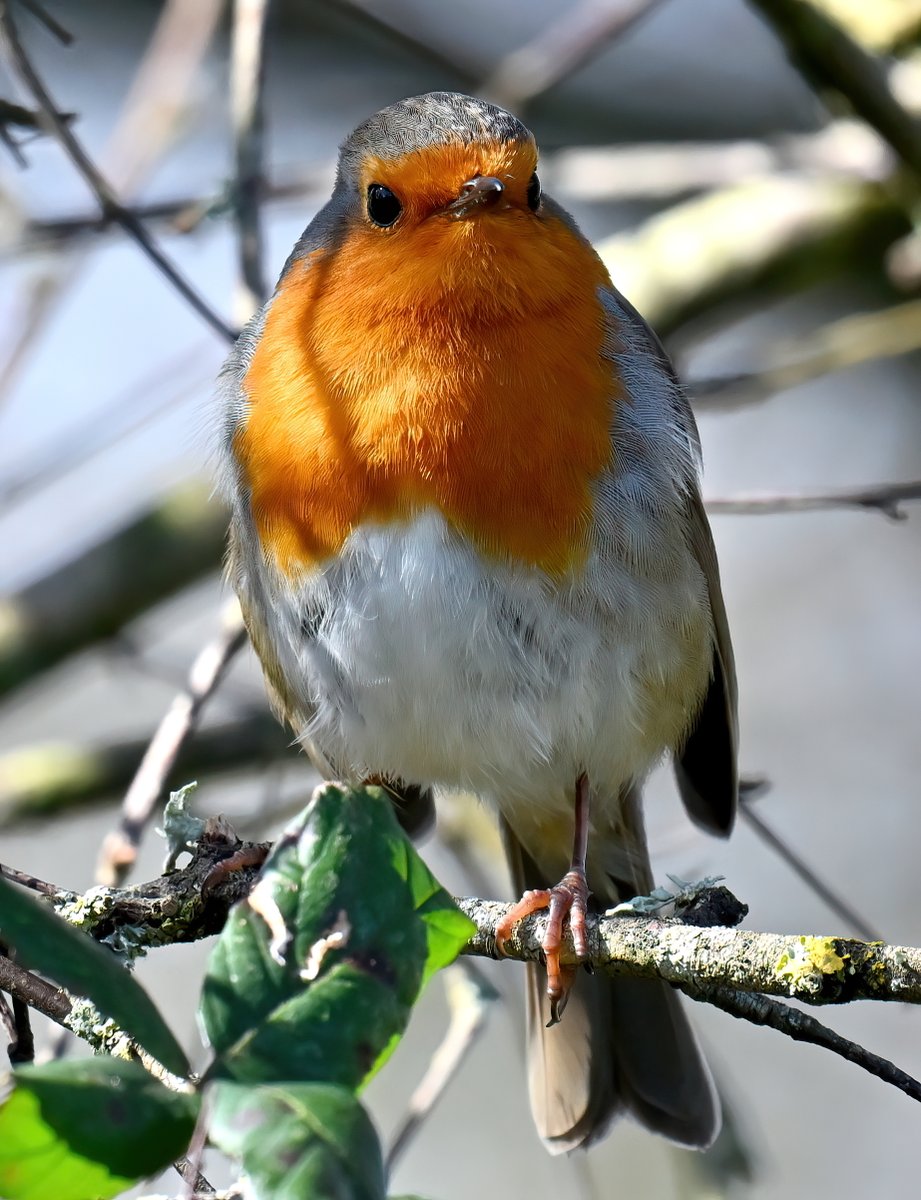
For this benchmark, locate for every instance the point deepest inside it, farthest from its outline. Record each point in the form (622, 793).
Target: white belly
(420, 660)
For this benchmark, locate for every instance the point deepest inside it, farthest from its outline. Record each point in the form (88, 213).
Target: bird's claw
(568, 899)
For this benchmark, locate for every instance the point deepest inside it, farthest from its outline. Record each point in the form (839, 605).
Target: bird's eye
(383, 205)
(534, 194)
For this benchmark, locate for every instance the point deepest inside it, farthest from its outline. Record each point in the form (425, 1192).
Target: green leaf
(314, 977)
(87, 1129)
(46, 943)
(299, 1139)
(447, 929)
(322, 1032)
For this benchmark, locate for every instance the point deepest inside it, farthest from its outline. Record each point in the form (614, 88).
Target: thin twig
(64, 36)
(835, 902)
(837, 346)
(189, 1166)
(119, 850)
(469, 996)
(561, 48)
(13, 147)
(21, 117)
(197, 1184)
(182, 214)
(50, 1001)
(247, 76)
(803, 1027)
(24, 879)
(52, 120)
(117, 419)
(885, 498)
(37, 305)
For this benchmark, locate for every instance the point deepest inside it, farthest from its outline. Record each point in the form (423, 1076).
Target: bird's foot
(568, 899)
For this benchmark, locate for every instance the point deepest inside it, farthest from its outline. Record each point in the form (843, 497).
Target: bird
(468, 540)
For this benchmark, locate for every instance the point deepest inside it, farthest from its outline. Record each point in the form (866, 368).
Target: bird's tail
(623, 1045)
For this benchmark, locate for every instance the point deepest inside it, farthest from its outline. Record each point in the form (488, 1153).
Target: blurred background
(766, 231)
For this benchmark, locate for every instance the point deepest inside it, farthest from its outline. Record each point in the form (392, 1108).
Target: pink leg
(568, 899)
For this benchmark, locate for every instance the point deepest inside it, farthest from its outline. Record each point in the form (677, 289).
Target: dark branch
(802, 1027)
(27, 988)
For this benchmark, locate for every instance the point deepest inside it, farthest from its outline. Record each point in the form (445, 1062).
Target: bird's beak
(483, 191)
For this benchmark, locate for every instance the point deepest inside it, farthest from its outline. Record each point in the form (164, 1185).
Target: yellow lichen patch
(807, 962)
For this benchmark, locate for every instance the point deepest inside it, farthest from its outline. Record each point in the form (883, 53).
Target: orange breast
(457, 366)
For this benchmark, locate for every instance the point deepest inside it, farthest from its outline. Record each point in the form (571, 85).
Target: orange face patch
(442, 363)
(426, 180)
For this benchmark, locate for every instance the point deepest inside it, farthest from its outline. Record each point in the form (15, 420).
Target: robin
(469, 543)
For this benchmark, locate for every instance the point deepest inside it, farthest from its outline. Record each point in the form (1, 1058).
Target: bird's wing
(705, 767)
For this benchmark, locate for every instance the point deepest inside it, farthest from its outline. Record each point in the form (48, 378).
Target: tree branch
(119, 850)
(778, 231)
(469, 995)
(816, 970)
(23, 986)
(16, 1019)
(562, 48)
(829, 58)
(836, 346)
(737, 970)
(885, 498)
(56, 778)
